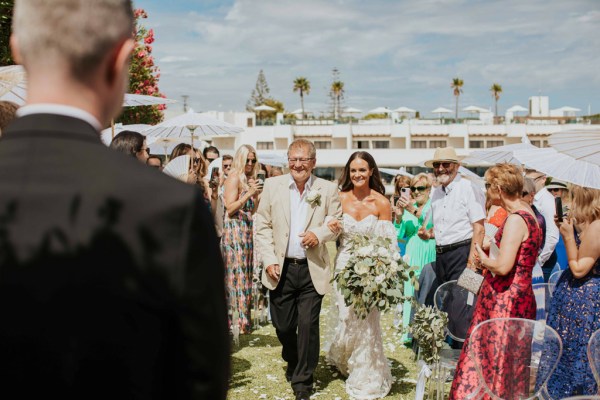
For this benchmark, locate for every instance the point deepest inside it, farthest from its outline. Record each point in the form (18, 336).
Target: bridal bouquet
(374, 275)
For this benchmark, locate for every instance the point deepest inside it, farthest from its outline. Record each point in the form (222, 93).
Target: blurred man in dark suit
(111, 282)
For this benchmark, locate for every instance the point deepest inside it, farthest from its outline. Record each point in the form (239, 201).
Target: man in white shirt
(291, 236)
(544, 202)
(458, 215)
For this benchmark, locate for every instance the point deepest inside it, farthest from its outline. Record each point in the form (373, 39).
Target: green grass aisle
(258, 371)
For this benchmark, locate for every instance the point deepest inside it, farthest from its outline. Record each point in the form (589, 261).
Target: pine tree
(143, 77)
(260, 93)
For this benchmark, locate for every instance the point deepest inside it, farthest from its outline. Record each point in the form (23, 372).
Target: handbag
(470, 280)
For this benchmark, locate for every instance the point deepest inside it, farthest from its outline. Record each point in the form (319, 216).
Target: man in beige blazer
(291, 236)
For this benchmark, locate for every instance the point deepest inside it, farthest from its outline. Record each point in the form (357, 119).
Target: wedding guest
(131, 143)
(198, 168)
(275, 171)
(458, 215)
(415, 213)
(537, 275)
(506, 291)
(155, 162)
(112, 280)
(495, 214)
(401, 183)
(241, 196)
(544, 202)
(559, 189)
(575, 308)
(210, 154)
(218, 207)
(297, 271)
(8, 112)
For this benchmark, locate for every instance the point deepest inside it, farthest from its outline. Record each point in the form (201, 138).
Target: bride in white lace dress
(357, 348)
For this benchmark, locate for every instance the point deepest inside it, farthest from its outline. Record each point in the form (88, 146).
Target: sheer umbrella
(500, 154)
(582, 145)
(13, 84)
(192, 125)
(561, 166)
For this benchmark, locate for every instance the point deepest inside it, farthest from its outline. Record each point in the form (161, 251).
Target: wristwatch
(415, 212)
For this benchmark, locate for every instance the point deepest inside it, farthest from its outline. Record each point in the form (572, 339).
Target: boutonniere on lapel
(313, 198)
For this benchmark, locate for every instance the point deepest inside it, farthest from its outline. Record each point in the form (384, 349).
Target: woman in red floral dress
(506, 291)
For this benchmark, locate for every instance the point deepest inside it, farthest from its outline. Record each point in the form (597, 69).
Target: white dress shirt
(298, 213)
(455, 208)
(60, 109)
(544, 202)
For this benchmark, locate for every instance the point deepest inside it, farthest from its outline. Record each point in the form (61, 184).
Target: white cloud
(388, 52)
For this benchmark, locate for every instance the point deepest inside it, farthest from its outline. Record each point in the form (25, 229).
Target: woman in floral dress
(575, 309)
(506, 291)
(241, 196)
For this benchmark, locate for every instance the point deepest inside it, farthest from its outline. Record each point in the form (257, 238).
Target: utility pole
(185, 105)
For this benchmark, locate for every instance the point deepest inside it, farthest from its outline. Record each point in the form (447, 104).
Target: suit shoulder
(277, 180)
(325, 183)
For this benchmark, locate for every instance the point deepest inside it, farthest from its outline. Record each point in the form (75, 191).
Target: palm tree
(457, 85)
(302, 85)
(496, 89)
(337, 92)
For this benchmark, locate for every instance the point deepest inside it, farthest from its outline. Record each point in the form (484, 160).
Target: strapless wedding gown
(357, 348)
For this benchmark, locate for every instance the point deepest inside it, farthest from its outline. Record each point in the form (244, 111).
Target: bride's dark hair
(375, 179)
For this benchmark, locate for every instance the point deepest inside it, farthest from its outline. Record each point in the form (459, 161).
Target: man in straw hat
(458, 214)
(112, 280)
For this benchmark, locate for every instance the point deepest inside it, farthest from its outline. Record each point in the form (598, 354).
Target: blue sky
(389, 52)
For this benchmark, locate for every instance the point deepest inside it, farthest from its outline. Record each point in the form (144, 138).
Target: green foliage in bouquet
(429, 328)
(374, 275)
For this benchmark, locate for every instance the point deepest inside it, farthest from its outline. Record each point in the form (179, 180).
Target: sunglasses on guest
(446, 164)
(251, 161)
(419, 188)
(555, 189)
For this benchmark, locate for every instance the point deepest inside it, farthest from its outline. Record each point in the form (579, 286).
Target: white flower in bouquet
(406, 259)
(396, 256)
(365, 251)
(362, 268)
(373, 277)
(313, 198)
(383, 252)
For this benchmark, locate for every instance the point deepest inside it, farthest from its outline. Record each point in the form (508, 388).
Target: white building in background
(393, 145)
(539, 106)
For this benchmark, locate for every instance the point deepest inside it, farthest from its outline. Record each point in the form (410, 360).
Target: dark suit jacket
(111, 280)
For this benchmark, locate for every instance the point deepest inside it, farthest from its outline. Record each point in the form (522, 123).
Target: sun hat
(556, 184)
(441, 154)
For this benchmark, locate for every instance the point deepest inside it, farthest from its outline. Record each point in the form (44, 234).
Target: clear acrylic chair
(508, 354)
(593, 353)
(553, 280)
(543, 298)
(446, 298)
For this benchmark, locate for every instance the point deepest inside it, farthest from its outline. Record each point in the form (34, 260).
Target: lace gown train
(357, 348)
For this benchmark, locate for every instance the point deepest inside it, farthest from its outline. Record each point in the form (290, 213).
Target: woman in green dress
(413, 213)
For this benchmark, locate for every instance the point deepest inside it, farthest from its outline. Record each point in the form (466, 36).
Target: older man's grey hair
(74, 34)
